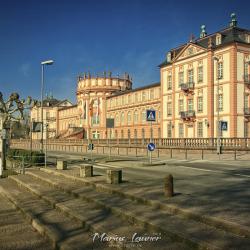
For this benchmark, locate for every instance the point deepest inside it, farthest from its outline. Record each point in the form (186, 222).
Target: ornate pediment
(189, 50)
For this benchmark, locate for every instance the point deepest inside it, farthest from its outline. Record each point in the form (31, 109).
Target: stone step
(63, 232)
(98, 219)
(16, 233)
(148, 217)
(99, 183)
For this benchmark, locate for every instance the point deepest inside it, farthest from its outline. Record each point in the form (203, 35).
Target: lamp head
(48, 62)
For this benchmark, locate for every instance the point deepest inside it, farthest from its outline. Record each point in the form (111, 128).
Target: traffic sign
(151, 115)
(223, 125)
(151, 146)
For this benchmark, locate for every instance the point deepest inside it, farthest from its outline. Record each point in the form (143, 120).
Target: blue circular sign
(151, 146)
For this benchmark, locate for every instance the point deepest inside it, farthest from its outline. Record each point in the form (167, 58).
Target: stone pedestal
(86, 170)
(169, 186)
(61, 165)
(114, 176)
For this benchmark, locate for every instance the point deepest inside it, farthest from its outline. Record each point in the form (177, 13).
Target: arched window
(143, 117)
(117, 120)
(136, 117)
(129, 117)
(122, 118)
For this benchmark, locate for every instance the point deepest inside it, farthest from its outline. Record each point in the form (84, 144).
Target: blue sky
(82, 35)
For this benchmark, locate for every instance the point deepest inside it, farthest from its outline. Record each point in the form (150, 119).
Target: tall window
(129, 99)
(117, 120)
(169, 128)
(220, 102)
(129, 117)
(200, 74)
(136, 117)
(181, 78)
(190, 76)
(246, 75)
(190, 104)
(169, 82)
(135, 133)
(181, 107)
(136, 97)
(220, 70)
(245, 102)
(200, 129)
(200, 104)
(169, 108)
(143, 96)
(143, 116)
(143, 133)
(181, 130)
(152, 94)
(159, 132)
(122, 118)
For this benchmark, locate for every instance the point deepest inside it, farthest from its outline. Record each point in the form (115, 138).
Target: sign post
(151, 118)
(110, 123)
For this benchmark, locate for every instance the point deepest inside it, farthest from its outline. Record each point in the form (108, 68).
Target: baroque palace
(202, 82)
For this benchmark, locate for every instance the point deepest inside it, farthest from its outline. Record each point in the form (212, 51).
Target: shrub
(29, 157)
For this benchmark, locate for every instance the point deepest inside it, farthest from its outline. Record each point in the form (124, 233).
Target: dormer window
(169, 56)
(218, 39)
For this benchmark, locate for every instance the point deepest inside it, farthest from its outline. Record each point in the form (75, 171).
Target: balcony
(187, 87)
(187, 115)
(49, 118)
(246, 79)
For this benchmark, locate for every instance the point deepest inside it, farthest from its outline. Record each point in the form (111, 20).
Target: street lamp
(218, 109)
(48, 62)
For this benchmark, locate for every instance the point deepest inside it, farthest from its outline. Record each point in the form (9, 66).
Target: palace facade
(202, 82)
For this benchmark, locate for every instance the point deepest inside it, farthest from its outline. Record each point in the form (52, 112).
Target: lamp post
(218, 109)
(48, 62)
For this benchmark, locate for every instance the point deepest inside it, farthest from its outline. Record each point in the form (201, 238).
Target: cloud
(25, 69)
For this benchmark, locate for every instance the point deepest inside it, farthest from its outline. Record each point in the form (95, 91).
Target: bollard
(61, 165)
(169, 186)
(202, 154)
(86, 170)
(114, 176)
(186, 154)
(171, 153)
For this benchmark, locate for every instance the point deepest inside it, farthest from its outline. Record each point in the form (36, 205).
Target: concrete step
(97, 218)
(63, 232)
(146, 216)
(16, 233)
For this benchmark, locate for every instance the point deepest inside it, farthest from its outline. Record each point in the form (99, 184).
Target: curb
(228, 226)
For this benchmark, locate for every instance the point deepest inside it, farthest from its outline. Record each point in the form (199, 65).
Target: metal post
(150, 152)
(109, 144)
(42, 89)
(45, 155)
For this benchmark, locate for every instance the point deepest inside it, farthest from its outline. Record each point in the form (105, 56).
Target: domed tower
(92, 92)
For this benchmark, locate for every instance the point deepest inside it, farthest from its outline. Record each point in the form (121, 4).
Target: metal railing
(187, 114)
(195, 143)
(187, 86)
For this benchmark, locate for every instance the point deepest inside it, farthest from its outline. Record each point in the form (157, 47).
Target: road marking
(215, 171)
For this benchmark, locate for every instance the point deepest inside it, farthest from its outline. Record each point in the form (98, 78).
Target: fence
(181, 143)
